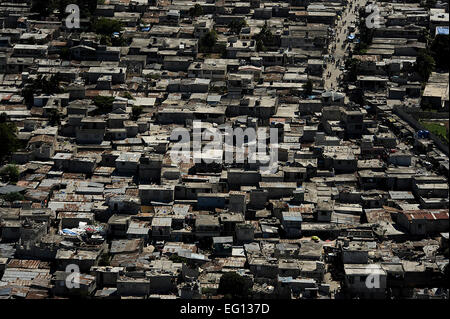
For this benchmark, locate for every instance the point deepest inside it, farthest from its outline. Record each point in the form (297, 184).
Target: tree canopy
(196, 10)
(208, 41)
(440, 51)
(365, 33)
(236, 25)
(233, 284)
(104, 103)
(425, 64)
(12, 197)
(264, 38)
(43, 85)
(308, 87)
(352, 66)
(136, 111)
(8, 138)
(106, 26)
(9, 173)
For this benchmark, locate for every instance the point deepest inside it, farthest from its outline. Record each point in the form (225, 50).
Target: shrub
(136, 111)
(8, 139)
(424, 65)
(196, 10)
(12, 197)
(440, 51)
(106, 26)
(208, 41)
(104, 103)
(308, 87)
(9, 173)
(127, 95)
(236, 25)
(233, 284)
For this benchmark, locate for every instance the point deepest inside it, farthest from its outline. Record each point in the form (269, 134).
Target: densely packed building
(177, 148)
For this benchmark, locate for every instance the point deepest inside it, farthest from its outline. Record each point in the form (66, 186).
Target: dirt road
(336, 68)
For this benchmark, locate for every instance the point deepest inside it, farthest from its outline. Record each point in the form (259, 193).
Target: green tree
(51, 86)
(361, 48)
(236, 25)
(136, 111)
(104, 103)
(9, 173)
(365, 33)
(177, 259)
(106, 26)
(424, 64)
(12, 197)
(234, 284)
(440, 51)
(424, 36)
(352, 67)
(41, 85)
(105, 40)
(8, 139)
(264, 38)
(260, 46)
(153, 76)
(120, 41)
(208, 41)
(105, 260)
(308, 87)
(54, 117)
(196, 11)
(127, 95)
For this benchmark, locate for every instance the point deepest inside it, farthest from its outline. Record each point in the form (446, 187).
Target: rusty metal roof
(28, 264)
(426, 214)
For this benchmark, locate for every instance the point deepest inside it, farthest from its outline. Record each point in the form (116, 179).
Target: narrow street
(334, 69)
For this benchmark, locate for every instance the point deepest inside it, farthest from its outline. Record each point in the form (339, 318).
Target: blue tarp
(442, 30)
(351, 36)
(69, 232)
(423, 134)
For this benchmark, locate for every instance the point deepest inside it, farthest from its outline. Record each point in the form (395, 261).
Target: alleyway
(349, 16)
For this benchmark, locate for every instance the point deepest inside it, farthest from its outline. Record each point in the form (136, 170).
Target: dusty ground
(348, 17)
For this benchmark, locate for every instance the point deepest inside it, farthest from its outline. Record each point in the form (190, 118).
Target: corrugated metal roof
(28, 264)
(13, 274)
(429, 215)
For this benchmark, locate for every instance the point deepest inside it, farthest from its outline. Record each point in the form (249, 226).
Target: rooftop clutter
(175, 149)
